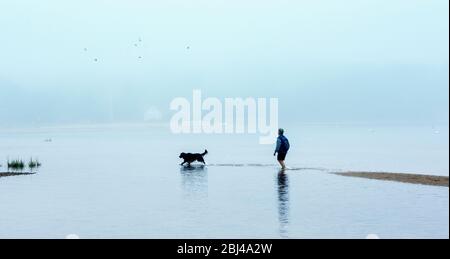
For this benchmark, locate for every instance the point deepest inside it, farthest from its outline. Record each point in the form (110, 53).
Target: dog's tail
(204, 153)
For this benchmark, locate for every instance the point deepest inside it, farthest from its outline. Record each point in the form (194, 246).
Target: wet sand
(13, 174)
(404, 178)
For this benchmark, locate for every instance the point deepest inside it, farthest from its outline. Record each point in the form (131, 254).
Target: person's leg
(281, 157)
(283, 165)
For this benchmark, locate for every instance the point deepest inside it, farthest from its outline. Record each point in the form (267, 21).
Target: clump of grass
(19, 165)
(33, 163)
(16, 164)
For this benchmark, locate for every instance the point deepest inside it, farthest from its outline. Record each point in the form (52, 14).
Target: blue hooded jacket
(282, 144)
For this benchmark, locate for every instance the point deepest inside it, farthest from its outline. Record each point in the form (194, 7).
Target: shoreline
(431, 180)
(6, 174)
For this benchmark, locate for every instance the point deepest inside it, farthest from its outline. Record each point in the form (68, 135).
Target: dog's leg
(201, 160)
(183, 163)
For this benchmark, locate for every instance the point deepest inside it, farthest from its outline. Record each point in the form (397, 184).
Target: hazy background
(356, 61)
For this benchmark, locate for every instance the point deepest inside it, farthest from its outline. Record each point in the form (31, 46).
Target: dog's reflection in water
(194, 181)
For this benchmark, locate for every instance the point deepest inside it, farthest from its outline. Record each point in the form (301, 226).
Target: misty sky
(377, 61)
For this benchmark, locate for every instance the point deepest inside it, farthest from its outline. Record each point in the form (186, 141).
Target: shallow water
(126, 182)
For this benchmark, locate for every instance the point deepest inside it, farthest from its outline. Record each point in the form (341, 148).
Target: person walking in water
(282, 148)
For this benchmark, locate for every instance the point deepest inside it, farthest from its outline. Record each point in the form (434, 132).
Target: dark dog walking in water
(190, 158)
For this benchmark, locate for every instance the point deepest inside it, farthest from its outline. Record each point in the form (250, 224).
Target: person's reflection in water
(283, 202)
(194, 180)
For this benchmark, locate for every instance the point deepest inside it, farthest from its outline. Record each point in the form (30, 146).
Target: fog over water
(85, 88)
(83, 62)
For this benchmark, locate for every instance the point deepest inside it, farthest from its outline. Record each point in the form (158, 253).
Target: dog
(190, 158)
